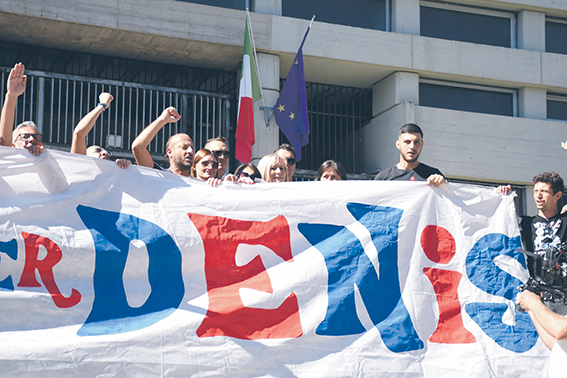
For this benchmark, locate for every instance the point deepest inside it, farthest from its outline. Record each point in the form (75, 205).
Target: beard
(412, 159)
(179, 162)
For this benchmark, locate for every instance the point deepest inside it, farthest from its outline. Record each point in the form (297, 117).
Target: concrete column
(273, 7)
(405, 16)
(531, 208)
(531, 31)
(267, 135)
(397, 88)
(532, 103)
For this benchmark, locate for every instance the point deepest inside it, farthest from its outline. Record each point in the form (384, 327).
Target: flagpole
(300, 47)
(266, 119)
(307, 32)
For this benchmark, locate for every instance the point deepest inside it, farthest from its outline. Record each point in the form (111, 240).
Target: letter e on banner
(227, 315)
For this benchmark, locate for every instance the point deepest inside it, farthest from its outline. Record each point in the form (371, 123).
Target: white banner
(136, 272)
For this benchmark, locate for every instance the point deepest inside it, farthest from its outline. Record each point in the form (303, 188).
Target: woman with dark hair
(205, 166)
(331, 171)
(247, 173)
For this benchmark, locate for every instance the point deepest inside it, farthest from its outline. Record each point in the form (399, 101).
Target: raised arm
(79, 145)
(16, 86)
(141, 143)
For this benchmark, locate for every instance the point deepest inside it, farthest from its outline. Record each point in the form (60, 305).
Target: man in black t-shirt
(539, 233)
(410, 143)
(548, 228)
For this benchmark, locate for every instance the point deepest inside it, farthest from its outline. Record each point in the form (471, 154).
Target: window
(467, 24)
(557, 107)
(335, 114)
(556, 36)
(232, 4)
(369, 14)
(469, 98)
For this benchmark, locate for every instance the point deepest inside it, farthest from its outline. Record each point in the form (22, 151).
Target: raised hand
(17, 80)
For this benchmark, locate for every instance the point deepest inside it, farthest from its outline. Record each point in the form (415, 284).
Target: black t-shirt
(420, 173)
(540, 234)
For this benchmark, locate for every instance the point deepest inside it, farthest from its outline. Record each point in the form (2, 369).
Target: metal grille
(307, 175)
(102, 67)
(56, 103)
(335, 113)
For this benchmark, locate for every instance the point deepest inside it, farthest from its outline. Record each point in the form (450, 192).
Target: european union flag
(291, 108)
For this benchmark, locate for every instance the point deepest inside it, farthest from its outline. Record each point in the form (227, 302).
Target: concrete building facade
(482, 96)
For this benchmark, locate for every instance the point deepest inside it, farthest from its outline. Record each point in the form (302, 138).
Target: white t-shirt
(558, 360)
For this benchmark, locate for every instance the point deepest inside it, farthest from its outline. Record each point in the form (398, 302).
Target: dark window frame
(478, 87)
(308, 15)
(554, 21)
(479, 11)
(556, 98)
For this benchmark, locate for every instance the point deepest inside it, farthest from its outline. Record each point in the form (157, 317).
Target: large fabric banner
(140, 273)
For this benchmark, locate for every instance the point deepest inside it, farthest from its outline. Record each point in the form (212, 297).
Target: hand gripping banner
(142, 273)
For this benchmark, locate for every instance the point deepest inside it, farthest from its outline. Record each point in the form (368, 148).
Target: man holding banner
(546, 230)
(410, 143)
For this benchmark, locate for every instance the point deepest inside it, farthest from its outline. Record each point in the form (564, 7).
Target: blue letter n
(348, 265)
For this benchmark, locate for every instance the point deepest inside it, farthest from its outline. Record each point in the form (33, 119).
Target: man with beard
(179, 147)
(410, 143)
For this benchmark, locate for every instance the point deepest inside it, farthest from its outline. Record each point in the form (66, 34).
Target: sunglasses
(26, 136)
(214, 164)
(100, 150)
(222, 154)
(252, 176)
(291, 161)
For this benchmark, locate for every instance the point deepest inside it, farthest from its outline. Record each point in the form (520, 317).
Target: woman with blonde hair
(273, 168)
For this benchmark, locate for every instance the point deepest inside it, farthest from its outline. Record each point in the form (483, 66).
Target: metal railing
(56, 103)
(335, 115)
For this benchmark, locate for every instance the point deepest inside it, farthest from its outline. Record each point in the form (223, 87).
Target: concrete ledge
(205, 36)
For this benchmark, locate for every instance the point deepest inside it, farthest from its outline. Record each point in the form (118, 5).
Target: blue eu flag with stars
(291, 108)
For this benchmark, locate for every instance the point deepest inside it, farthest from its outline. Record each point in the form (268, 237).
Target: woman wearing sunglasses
(247, 174)
(205, 166)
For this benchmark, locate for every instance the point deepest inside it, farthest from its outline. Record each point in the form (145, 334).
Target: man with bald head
(179, 147)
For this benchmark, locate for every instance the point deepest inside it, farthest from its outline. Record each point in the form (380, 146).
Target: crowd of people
(539, 233)
(209, 163)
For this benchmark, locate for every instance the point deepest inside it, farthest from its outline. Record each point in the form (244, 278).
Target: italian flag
(249, 92)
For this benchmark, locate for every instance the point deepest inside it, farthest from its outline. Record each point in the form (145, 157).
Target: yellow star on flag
(292, 115)
(281, 108)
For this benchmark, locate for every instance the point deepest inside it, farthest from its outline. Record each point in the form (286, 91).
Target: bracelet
(103, 105)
